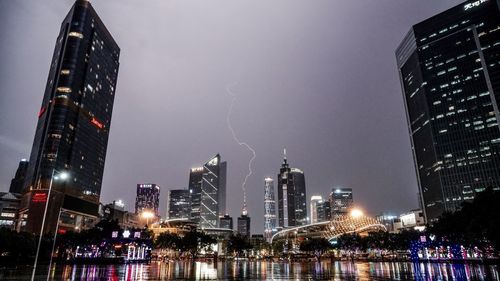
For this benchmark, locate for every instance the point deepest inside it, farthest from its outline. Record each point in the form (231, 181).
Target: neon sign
(42, 111)
(39, 197)
(96, 123)
(473, 4)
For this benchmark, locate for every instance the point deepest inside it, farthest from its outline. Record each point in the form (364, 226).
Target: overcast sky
(317, 77)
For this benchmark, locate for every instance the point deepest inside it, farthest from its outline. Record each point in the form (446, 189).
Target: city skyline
(132, 123)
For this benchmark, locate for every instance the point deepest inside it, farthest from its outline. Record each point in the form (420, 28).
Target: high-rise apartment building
(207, 186)
(179, 204)
(147, 199)
(269, 209)
(341, 201)
(450, 77)
(292, 208)
(71, 137)
(17, 183)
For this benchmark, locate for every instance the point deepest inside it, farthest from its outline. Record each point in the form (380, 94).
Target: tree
(193, 241)
(316, 246)
(238, 244)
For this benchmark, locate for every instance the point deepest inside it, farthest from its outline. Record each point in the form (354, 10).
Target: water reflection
(326, 270)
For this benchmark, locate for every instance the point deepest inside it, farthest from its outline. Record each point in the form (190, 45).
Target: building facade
(147, 199)
(72, 132)
(207, 186)
(17, 183)
(9, 207)
(341, 201)
(450, 78)
(244, 225)
(269, 209)
(316, 205)
(179, 204)
(292, 208)
(226, 222)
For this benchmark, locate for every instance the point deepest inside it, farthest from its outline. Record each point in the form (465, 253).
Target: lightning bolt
(241, 143)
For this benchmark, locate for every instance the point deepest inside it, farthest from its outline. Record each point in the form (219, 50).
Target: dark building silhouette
(244, 225)
(179, 204)
(450, 77)
(226, 222)
(147, 199)
(341, 201)
(72, 132)
(17, 183)
(292, 208)
(207, 186)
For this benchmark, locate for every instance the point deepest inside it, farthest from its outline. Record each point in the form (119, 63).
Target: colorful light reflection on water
(255, 270)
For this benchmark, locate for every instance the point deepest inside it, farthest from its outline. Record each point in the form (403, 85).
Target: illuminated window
(64, 71)
(75, 34)
(8, 215)
(64, 89)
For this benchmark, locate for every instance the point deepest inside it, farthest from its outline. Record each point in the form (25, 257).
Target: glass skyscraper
(71, 136)
(207, 187)
(449, 69)
(179, 204)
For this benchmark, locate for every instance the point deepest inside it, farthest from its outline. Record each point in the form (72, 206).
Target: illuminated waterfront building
(71, 137)
(450, 78)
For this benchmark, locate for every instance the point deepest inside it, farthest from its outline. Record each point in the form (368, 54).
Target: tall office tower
(147, 199)
(300, 207)
(341, 201)
(269, 209)
(316, 205)
(450, 77)
(226, 222)
(179, 204)
(244, 225)
(17, 183)
(195, 178)
(324, 211)
(207, 186)
(292, 209)
(71, 138)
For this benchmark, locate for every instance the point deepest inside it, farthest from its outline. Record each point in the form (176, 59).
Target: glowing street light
(356, 213)
(147, 215)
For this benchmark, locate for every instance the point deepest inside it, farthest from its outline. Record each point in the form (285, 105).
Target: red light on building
(42, 111)
(39, 197)
(96, 123)
(61, 231)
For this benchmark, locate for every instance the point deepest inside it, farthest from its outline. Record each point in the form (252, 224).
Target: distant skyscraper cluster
(339, 203)
(204, 202)
(450, 77)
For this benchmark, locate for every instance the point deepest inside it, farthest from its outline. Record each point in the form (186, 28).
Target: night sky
(317, 77)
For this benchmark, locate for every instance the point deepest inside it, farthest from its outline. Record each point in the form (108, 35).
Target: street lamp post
(63, 176)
